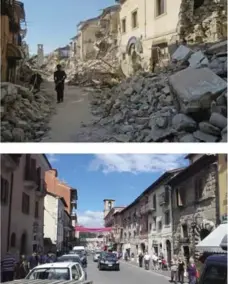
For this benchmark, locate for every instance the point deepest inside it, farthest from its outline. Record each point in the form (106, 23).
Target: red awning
(92, 230)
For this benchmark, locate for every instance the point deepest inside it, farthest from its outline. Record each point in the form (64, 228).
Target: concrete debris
(182, 53)
(187, 104)
(24, 116)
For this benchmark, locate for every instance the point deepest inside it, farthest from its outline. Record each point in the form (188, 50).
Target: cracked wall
(203, 21)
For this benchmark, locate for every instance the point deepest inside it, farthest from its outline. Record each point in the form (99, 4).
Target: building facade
(222, 177)
(194, 203)
(12, 16)
(55, 186)
(54, 207)
(23, 189)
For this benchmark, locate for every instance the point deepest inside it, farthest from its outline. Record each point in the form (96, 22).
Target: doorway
(186, 253)
(23, 244)
(143, 247)
(169, 252)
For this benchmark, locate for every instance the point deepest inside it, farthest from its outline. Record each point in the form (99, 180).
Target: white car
(58, 271)
(96, 256)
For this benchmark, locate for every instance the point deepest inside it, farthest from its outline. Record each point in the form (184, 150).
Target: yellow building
(222, 177)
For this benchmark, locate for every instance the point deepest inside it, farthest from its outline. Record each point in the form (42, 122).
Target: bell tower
(40, 55)
(108, 205)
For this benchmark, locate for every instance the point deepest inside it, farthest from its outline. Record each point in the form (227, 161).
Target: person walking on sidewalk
(8, 266)
(181, 269)
(59, 79)
(192, 271)
(155, 261)
(147, 261)
(140, 259)
(174, 269)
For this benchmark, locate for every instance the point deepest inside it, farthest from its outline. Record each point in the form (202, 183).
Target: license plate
(110, 265)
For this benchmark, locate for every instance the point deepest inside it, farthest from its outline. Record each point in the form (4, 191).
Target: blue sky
(53, 22)
(115, 176)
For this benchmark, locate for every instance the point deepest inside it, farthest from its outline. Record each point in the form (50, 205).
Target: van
(79, 248)
(214, 270)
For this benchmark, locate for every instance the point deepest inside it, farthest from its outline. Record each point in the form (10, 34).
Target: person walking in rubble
(59, 79)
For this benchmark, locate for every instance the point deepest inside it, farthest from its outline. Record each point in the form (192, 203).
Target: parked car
(82, 256)
(214, 270)
(96, 256)
(58, 271)
(108, 261)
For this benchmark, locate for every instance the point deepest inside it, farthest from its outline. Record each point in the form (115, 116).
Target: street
(128, 273)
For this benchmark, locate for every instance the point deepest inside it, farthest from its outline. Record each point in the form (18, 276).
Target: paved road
(65, 125)
(128, 274)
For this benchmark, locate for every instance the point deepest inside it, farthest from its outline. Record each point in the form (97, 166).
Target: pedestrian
(33, 261)
(22, 268)
(147, 261)
(155, 261)
(174, 268)
(181, 269)
(192, 271)
(140, 259)
(8, 267)
(59, 79)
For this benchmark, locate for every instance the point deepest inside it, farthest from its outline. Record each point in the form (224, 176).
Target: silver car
(96, 256)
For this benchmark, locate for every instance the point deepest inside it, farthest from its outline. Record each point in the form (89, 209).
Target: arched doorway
(143, 247)
(13, 240)
(23, 243)
(169, 251)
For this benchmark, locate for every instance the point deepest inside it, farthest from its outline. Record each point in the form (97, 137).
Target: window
(75, 273)
(199, 188)
(134, 19)
(124, 26)
(4, 191)
(198, 3)
(159, 225)
(215, 274)
(36, 209)
(38, 173)
(154, 202)
(154, 224)
(167, 217)
(180, 197)
(160, 7)
(25, 203)
(185, 231)
(150, 226)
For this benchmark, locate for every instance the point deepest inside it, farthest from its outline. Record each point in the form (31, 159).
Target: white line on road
(148, 271)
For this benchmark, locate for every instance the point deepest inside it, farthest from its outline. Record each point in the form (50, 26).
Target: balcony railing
(147, 208)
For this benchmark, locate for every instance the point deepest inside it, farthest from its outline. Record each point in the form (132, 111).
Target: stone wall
(205, 23)
(202, 211)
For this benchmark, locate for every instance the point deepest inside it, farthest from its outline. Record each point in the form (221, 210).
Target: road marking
(148, 271)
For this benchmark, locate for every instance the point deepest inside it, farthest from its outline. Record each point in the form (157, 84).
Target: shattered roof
(110, 9)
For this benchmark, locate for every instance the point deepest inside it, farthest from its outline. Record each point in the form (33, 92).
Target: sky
(122, 177)
(54, 22)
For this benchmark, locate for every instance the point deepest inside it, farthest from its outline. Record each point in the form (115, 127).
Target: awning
(212, 243)
(14, 51)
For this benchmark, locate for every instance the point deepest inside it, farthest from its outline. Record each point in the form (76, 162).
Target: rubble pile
(186, 103)
(24, 116)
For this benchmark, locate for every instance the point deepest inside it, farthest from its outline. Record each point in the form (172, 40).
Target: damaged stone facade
(203, 20)
(194, 206)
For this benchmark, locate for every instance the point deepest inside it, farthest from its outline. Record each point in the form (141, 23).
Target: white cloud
(52, 158)
(91, 219)
(136, 163)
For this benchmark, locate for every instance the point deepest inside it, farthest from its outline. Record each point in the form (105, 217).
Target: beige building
(22, 202)
(150, 29)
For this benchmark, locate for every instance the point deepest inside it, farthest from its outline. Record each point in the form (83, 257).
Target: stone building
(194, 203)
(222, 176)
(151, 30)
(12, 34)
(23, 189)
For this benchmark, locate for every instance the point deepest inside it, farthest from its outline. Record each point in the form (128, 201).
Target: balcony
(184, 240)
(147, 208)
(41, 189)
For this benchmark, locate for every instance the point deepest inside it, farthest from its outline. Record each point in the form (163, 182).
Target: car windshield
(111, 256)
(49, 274)
(69, 258)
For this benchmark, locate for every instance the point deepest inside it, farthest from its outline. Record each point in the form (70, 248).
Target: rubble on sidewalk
(24, 116)
(181, 104)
